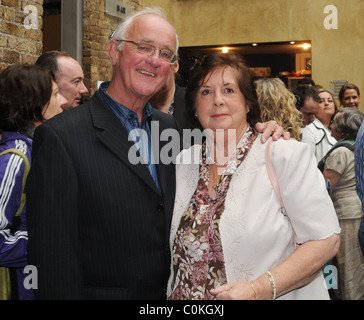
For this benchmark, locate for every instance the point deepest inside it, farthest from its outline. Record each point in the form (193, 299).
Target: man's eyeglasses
(149, 49)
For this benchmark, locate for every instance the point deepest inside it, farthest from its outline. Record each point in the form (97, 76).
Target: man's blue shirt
(130, 121)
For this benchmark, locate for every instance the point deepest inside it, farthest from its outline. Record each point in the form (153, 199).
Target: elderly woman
(339, 171)
(28, 96)
(229, 238)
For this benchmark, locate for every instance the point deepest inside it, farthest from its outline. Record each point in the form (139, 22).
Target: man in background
(69, 76)
(307, 102)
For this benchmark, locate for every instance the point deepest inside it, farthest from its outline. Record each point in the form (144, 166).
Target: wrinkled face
(70, 81)
(309, 109)
(350, 99)
(140, 76)
(55, 104)
(327, 106)
(220, 103)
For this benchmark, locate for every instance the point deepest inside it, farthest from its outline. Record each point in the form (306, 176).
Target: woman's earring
(196, 115)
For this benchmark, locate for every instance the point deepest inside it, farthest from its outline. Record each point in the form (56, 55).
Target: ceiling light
(254, 44)
(225, 49)
(292, 42)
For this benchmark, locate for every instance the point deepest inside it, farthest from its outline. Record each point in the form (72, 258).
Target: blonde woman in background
(278, 103)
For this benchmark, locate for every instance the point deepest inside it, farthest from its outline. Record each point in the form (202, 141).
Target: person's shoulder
(165, 119)
(191, 155)
(290, 148)
(71, 117)
(291, 143)
(180, 92)
(342, 150)
(312, 127)
(8, 137)
(157, 115)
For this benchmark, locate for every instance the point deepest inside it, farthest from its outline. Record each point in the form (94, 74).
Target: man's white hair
(122, 30)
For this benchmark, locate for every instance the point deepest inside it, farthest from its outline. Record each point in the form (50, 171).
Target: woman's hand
(241, 290)
(300, 268)
(271, 128)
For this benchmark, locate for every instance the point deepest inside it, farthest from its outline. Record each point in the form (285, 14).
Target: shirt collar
(120, 110)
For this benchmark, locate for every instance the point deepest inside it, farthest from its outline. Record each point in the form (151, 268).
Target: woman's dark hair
(348, 86)
(244, 77)
(24, 92)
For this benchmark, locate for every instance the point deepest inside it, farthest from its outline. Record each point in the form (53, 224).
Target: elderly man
(98, 224)
(68, 73)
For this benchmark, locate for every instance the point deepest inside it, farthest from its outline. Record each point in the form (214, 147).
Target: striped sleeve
(12, 244)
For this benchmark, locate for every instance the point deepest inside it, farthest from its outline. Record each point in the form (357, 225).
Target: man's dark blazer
(98, 226)
(179, 109)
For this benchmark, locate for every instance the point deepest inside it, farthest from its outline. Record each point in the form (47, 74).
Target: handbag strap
(274, 182)
(272, 175)
(26, 171)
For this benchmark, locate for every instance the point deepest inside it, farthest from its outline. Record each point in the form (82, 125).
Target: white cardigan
(255, 235)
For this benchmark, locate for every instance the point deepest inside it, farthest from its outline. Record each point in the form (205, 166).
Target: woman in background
(339, 172)
(28, 96)
(318, 133)
(278, 103)
(349, 96)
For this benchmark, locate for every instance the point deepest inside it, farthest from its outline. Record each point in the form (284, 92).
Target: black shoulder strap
(342, 143)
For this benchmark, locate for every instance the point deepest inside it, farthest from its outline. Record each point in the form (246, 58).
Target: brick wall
(18, 43)
(97, 26)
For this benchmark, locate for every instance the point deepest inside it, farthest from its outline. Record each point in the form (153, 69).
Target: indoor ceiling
(259, 48)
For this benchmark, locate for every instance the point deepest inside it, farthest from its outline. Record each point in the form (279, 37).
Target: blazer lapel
(114, 136)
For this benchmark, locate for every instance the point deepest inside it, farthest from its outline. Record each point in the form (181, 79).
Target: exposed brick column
(97, 26)
(17, 43)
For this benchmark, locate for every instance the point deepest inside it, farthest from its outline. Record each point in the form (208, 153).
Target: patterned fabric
(198, 258)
